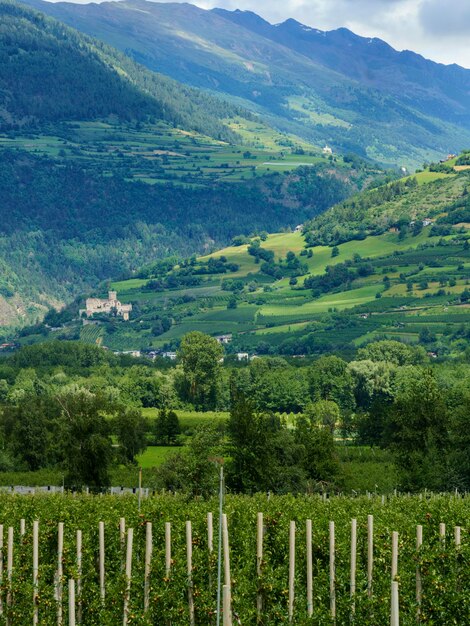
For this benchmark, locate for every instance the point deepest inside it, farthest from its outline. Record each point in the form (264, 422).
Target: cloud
(438, 18)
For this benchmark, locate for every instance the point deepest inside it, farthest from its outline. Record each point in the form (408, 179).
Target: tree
(167, 427)
(335, 251)
(418, 432)
(131, 430)
(194, 470)
(200, 356)
(87, 445)
(324, 413)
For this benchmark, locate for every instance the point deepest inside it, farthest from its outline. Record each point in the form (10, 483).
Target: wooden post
(394, 555)
(101, 561)
(22, 528)
(309, 568)
(210, 533)
(291, 570)
(122, 539)
(394, 614)
(442, 533)
(210, 544)
(79, 576)
(259, 563)
(352, 578)
(419, 589)
(127, 594)
(189, 559)
(140, 487)
(59, 573)
(227, 593)
(10, 565)
(35, 571)
(72, 621)
(370, 553)
(332, 573)
(227, 606)
(148, 560)
(1, 569)
(226, 550)
(456, 537)
(167, 549)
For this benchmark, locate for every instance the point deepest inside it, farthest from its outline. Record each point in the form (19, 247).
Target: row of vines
(270, 590)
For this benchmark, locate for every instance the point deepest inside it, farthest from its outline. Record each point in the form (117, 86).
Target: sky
(437, 29)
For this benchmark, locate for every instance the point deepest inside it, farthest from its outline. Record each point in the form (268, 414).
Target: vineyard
(67, 559)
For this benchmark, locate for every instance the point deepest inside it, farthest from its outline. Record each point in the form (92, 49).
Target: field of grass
(155, 456)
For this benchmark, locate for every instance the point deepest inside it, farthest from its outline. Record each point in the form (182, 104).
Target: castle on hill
(109, 305)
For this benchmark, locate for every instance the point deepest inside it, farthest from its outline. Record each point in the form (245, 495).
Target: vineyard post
(167, 549)
(291, 570)
(140, 487)
(22, 528)
(352, 588)
(457, 549)
(259, 563)
(394, 614)
(226, 550)
(35, 570)
(1, 569)
(394, 554)
(442, 533)
(370, 553)
(148, 559)
(127, 594)
(10, 565)
(122, 539)
(101, 559)
(59, 573)
(309, 568)
(189, 559)
(79, 576)
(71, 602)
(419, 588)
(332, 572)
(227, 606)
(219, 547)
(210, 544)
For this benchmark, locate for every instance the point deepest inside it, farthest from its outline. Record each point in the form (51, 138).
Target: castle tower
(112, 296)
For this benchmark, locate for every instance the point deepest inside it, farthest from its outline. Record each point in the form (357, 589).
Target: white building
(224, 339)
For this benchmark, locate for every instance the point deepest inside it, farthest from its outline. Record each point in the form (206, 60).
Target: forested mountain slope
(105, 166)
(358, 95)
(50, 73)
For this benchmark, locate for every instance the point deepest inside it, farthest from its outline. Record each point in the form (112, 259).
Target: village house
(108, 306)
(224, 339)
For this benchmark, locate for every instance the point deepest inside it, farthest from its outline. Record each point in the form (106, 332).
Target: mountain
(50, 73)
(356, 94)
(328, 287)
(106, 166)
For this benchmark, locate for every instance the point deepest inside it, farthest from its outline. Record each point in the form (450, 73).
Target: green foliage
(200, 356)
(167, 427)
(131, 430)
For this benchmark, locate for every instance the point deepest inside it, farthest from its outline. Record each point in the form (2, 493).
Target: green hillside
(106, 166)
(282, 293)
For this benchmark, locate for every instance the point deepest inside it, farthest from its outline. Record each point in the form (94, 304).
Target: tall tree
(200, 355)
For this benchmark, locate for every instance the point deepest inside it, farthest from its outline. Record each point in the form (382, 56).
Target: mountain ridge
(297, 79)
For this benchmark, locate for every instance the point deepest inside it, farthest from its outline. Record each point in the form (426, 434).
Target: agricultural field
(159, 563)
(158, 153)
(407, 283)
